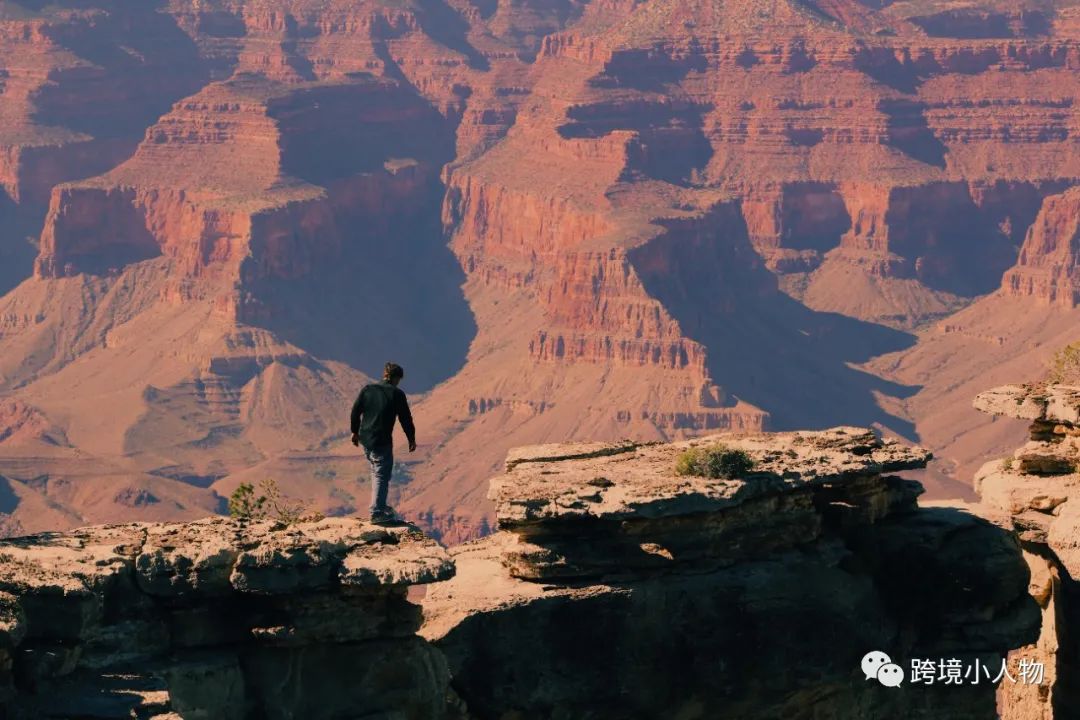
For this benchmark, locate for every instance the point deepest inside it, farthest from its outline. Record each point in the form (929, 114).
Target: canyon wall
(79, 84)
(768, 176)
(566, 220)
(1047, 267)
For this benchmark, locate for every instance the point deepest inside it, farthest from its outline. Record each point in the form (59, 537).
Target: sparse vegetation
(269, 502)
(1065, 365)
(717, 461)
(244, 505)
(1007, 464)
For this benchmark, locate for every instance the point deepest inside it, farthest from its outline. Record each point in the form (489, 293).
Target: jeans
(382, 465)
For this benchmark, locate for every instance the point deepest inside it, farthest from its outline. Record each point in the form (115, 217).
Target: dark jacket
(374, 412)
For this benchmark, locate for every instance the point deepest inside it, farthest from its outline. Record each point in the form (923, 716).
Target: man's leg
(382, 464)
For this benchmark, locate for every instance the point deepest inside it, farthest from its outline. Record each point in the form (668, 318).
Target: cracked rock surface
(616, 588)
(219, 619)
(1037, 491)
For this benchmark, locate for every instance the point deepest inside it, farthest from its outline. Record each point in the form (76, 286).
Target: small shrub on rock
(1065, 365)
(246, 504)
(718, 462)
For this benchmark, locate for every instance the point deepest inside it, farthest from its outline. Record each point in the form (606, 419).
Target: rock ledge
(218, 618)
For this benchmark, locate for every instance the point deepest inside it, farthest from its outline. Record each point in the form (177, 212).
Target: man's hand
(412, 446)
(356, 439)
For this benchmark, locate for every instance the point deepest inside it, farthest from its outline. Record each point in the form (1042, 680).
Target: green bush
(1065, 365)
(717, 461)
(245, 504)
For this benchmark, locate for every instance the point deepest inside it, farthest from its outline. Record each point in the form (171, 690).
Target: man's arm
(405, 417)
(354, 418)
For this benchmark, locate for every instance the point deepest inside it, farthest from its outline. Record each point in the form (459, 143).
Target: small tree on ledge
(718, 462)
(1065, 366)
(246, 505)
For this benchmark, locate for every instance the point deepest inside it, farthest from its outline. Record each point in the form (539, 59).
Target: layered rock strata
(615, 588)
(1049, 264)
(700, 172)
(633, 193)
(1038, 490)
(219, 619)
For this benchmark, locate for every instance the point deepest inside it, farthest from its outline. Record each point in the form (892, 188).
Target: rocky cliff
(79, 83)
(572, 220)
(219, 619)
(1050, 256)
(613, 588)
(1036, 488)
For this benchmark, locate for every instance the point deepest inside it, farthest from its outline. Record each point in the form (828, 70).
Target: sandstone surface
(219, 619)
(638, 593)
(1038, 490)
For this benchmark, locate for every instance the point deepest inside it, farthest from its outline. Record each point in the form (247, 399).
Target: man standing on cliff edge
(373, 416)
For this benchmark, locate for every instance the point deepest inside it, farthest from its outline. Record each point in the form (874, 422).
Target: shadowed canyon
(568, 220)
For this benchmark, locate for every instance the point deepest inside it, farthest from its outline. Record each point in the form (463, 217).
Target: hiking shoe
(385, 517)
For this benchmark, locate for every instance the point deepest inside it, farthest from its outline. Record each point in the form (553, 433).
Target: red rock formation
(1049, 264)
(20, 424)
(78, 87)
(668, 217)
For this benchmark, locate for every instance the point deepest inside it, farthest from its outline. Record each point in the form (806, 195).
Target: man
(373, 416)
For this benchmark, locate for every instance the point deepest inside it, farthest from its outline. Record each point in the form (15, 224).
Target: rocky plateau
(612, 588)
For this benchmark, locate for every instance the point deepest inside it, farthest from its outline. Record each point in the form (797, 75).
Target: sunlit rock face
(220, 619)
(573, 220)
(1036, 488)
(614, 587)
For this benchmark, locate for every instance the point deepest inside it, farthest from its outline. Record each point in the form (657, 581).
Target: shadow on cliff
(908, 130)
(670, 143)
(392, 291)
(394, 298)
(444, 24)
(143, 62)
(9, 501)
(763, 346)
(17, 249)
(965, 565)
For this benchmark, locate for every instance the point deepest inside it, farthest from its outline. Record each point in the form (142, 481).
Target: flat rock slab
(1040, 483)
(549, 484)
(220, 555)
(339, 551)
(483, 585)
(1042, 403)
